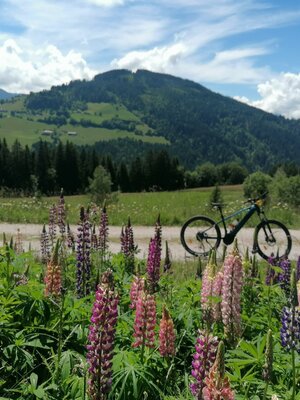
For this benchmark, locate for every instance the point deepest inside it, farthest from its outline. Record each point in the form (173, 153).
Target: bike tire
(272, 238)
(199, 235)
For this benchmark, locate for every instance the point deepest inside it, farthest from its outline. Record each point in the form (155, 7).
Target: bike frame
(229, 236)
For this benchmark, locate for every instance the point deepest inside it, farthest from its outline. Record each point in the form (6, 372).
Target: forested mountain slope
(198, 124)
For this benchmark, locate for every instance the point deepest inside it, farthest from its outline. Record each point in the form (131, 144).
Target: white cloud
(23, 71)
(159, 59)
(280, 95)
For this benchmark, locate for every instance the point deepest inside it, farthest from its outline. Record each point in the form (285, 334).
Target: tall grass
(143, 208)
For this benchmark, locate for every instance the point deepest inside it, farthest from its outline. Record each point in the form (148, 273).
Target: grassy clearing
(143, 208)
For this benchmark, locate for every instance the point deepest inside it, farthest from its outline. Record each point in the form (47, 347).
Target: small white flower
(275, 397)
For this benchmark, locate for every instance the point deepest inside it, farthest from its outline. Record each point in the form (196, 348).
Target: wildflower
(145, 320)
(61, 214)
(45, 250)
(203, 359)
(53, 275)
(290, 319)
(83, 255)
(217, 386)
(166, 335)
(167, 262)
(70, 238)
(103, 232)
(217, 293)
(231, 295)
(298, 270)
(52, 224)
(153, 265)
(268, 365)
(137, 287)
(94, 239)
(285, 276)
(207, 287)
(271, 275)
(101, 338)
(127, 246)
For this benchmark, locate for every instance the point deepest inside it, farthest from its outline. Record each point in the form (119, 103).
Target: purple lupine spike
(128, 247)
(94, 239)
(271, 275)
(45, 247)
(83, 254)
(70, 238)
(290, 319)
(103, 232)
(285, 276)
(158, 234)
(101, 338)
(203, 359)
(298, 270)
(52, 224)
(153, 265)
(61, 214)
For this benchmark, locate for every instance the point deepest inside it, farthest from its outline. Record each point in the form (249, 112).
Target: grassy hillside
(18, 122)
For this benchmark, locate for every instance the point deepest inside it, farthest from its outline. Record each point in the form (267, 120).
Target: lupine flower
(127, 246)
(101, 338)
(217, 293)
(153, 265)
(145, 320)
(203, 359)
(207, 287)
(298, 270)
(61, 214)
(83, 255)
(166, 335)
(52, 224)
(231, 295)
(94, 239)
(285, 276)
(268, 365)
(52, 278)
(298, 291)
(103, 232)
(45, 249)
(290, 319)
(137, 287)
(158, 232)
(18, 247)
(70, 238)
(167, 262)
(217, 386)
(271, 275)
(20, 279)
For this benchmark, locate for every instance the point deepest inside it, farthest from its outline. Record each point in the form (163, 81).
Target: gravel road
(31, 234)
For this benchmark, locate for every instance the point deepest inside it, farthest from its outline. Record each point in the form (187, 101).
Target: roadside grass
(143, 208)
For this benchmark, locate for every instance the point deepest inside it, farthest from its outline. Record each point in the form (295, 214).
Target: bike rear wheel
(272, 238)
(199, 235)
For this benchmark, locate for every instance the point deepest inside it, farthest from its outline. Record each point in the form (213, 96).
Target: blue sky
(247, 49)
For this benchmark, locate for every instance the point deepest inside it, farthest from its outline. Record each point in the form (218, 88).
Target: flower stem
(294, 375)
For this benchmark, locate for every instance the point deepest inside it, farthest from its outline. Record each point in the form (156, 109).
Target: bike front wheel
(199, 235)
(272, 238)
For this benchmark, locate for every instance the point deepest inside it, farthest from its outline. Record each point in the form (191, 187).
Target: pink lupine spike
(145, 320)
(137, 286)
(231, 295)
(166, 335)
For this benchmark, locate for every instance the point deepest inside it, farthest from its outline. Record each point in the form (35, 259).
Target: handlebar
(255, 199)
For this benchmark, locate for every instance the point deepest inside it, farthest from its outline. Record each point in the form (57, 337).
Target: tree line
(45, 168)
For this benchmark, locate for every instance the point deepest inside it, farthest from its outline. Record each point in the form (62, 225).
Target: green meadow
(17, 123)
(143, 208)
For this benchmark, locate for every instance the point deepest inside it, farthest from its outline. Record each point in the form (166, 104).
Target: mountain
(196, 124)
(5, 95)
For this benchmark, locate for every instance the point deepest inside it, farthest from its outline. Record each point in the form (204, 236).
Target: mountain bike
(200, 234)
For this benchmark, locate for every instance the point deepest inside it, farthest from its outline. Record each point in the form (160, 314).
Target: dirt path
(142, 234)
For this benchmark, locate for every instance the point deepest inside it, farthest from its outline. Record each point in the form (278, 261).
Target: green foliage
(256, 184)
(100, 185)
